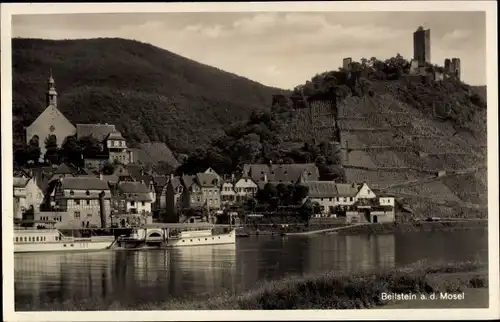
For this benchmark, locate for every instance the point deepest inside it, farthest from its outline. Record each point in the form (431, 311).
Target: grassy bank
(328, 290)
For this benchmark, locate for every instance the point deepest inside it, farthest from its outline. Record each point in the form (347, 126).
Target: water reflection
(133, 277)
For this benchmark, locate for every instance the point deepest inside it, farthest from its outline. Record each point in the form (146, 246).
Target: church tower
(51, 91)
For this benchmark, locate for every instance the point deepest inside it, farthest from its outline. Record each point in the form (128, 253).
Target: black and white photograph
(221, 161)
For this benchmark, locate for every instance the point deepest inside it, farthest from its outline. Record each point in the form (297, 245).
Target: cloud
(276, 48)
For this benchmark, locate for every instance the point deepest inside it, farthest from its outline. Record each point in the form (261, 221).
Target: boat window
(190, 240)
(25, 238)
(64, 245)
(37, 238)
(206, 239)
(57, 238)
(183, 240)
(29, 239)
(219, 237)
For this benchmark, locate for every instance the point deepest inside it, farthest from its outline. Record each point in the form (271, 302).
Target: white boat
(176, 236)
(51, 240)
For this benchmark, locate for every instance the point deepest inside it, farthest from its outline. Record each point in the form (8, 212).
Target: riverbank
(328, 290)
(378, 228)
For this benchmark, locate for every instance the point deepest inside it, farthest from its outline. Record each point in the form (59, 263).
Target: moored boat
(50, 240)
(177, 235)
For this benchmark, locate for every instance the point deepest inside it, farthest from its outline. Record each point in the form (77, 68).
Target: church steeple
(51, 91)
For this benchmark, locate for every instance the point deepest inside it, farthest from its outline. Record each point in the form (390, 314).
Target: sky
(280, 49)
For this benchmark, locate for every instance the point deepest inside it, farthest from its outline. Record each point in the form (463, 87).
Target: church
(51, 122)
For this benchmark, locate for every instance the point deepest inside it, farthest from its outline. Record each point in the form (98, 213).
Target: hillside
(398, 135)
(150, 94)
(422, 140)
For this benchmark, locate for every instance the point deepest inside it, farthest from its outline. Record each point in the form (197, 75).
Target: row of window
(213, 238)
(57, 218)
(337, 199)
(32, 239)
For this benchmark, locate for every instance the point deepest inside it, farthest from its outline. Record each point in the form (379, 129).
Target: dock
(324, 230)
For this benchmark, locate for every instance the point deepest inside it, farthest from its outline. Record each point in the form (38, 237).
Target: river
(137, 277)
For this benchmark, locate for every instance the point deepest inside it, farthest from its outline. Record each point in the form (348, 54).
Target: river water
(133, 277)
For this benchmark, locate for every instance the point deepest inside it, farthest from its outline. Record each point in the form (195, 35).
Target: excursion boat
(51, 240)
(177, 235)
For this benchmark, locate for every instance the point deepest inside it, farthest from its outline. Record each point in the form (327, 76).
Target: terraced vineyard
(400, 149)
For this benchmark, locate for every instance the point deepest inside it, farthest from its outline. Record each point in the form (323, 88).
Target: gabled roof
(20, 182)
(175, 182)
(133, 187)
(97, 131)
(54, 113)
(347, 190)
(188, 180)
(115, 135)
(281, 172)
(160, 181)
(329, 189)
(146, 179)
(134, 170)
(84, 183)
(207, 179)
(321, 189)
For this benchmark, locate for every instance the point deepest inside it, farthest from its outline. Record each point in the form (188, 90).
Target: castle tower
(51, 98)
(455, 62)
(422, 45)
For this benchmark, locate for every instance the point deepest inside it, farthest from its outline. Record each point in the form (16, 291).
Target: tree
(108, 168)
(300, 192)
(90, 146)
(71, 151)
(267, 193)
(51, 149)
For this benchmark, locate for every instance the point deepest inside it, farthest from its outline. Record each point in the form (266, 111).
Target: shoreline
(331, 290)
(379, 228)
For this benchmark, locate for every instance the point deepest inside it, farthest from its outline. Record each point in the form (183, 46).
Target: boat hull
(68, 246)
(201, 241)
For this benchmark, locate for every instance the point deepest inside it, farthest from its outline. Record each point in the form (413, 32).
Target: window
(25, 239)
(77, 214)
(143, 203)
(77, 202)
(37, 238)
(16, 239)
(88, 202)
(132, 203)
(71, 192)
(57, 238)
(87, 193)
(29, 238)
(89, 215)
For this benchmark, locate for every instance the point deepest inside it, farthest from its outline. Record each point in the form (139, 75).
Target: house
(331, 195)
(280, 173)
(227, 193)
(132, 198)
(34, 195)
(172, 194)
(148, 181)
(201, 190)
(159, 185)
(78, 202)
(20, 196)
(50, 122)
(113, 145)
(245, 188)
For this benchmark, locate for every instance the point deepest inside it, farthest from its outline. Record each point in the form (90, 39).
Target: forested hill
(150, 94)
